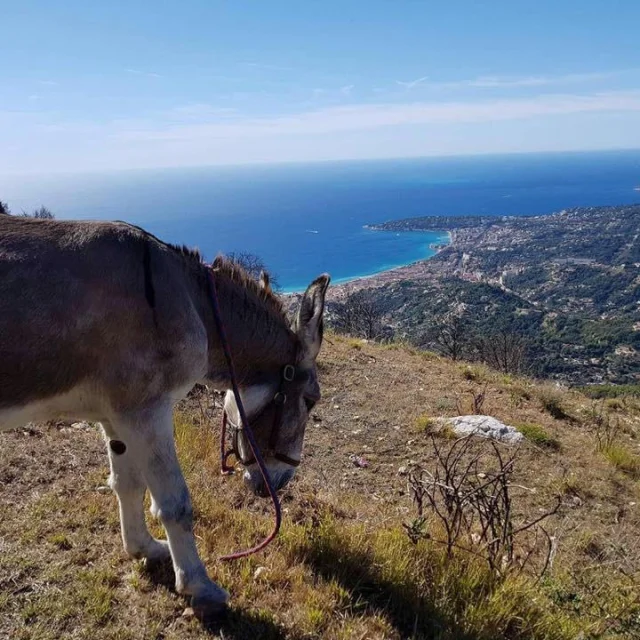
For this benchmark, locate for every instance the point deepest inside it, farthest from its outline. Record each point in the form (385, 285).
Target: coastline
(343, 287)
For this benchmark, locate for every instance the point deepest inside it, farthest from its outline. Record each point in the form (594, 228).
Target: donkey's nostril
(284, 479)
(256, 483)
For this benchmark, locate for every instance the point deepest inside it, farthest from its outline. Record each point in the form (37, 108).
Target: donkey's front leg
(150, 434)
(129, 486)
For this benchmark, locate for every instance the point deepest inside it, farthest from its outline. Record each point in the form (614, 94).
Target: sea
(306, 219)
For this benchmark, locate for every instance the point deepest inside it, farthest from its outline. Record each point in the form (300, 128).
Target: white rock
(483, 426)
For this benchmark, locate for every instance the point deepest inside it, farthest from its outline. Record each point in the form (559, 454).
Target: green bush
(539, 436)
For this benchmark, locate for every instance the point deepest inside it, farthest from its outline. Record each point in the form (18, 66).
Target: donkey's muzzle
(256, 483)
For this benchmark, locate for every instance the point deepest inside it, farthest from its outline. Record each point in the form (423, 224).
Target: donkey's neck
(258, 333)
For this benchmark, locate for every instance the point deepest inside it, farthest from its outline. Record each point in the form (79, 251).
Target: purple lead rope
(247, 429)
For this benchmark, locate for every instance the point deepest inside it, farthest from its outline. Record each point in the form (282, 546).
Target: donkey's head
(278, 407)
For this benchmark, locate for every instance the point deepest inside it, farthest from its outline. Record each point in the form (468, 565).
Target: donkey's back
(79, 318)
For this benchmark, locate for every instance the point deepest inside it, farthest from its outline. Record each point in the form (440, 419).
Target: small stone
(402, 471)
(103, 489)
(188, 613)
(336, 406)
(359, 461)
(258, 572)
(81, 425)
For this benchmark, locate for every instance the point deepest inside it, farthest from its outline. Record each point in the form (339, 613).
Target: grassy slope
(342, 567)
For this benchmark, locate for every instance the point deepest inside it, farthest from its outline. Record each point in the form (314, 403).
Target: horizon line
(281, 163)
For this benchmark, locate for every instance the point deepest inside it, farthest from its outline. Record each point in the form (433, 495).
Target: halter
(278, 402)
(276, 405)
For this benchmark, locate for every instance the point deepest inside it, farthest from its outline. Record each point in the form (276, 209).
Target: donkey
(104, 322)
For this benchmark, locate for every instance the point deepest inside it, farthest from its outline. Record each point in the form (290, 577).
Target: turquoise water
(306, 219)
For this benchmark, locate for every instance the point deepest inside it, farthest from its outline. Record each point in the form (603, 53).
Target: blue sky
(97, 85)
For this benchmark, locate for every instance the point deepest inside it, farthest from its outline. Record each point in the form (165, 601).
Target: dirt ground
(63, 573)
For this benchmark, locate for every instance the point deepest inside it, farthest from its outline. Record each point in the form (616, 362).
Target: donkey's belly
(79, 403)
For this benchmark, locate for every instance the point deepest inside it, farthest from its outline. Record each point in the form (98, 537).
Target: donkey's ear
(308, 324)
(265, 281)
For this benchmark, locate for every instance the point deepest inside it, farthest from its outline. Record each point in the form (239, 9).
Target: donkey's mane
(192, 255)
(232, 271)
(237, 274)
(187, 252)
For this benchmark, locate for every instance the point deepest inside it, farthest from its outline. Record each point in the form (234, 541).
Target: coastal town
(568, 283)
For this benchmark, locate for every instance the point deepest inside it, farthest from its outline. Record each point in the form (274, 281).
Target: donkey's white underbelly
(84, 402)
(79, 403)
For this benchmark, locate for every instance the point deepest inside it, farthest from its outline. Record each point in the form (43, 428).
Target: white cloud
(524, 81)
(148, 74)
(372, 116)
(346, 90)
(267, 67)
(539, 81)
(514, 81)
(413, 83)
(199, 111)
(49, 83)
(200, 133)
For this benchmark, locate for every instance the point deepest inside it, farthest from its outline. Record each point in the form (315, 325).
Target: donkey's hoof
(157, 552)
(209, 609)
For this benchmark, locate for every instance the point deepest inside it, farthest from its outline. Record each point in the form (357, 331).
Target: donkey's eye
(310, 403)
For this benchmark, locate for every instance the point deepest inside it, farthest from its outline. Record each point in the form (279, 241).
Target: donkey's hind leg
(149, 437)
(129, 486)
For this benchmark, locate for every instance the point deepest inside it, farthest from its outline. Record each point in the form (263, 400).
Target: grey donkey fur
(104, 322)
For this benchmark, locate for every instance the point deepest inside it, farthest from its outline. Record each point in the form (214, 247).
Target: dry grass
(622, 459)
(343, 566)
(552, 401)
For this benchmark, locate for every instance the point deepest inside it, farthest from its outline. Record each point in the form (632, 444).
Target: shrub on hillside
(254, 265)
(467, 497)
(361, 316)
(539, 436)
(552, 402)
(42, 213)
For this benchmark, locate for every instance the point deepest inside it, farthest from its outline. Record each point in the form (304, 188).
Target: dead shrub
(469, 498)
